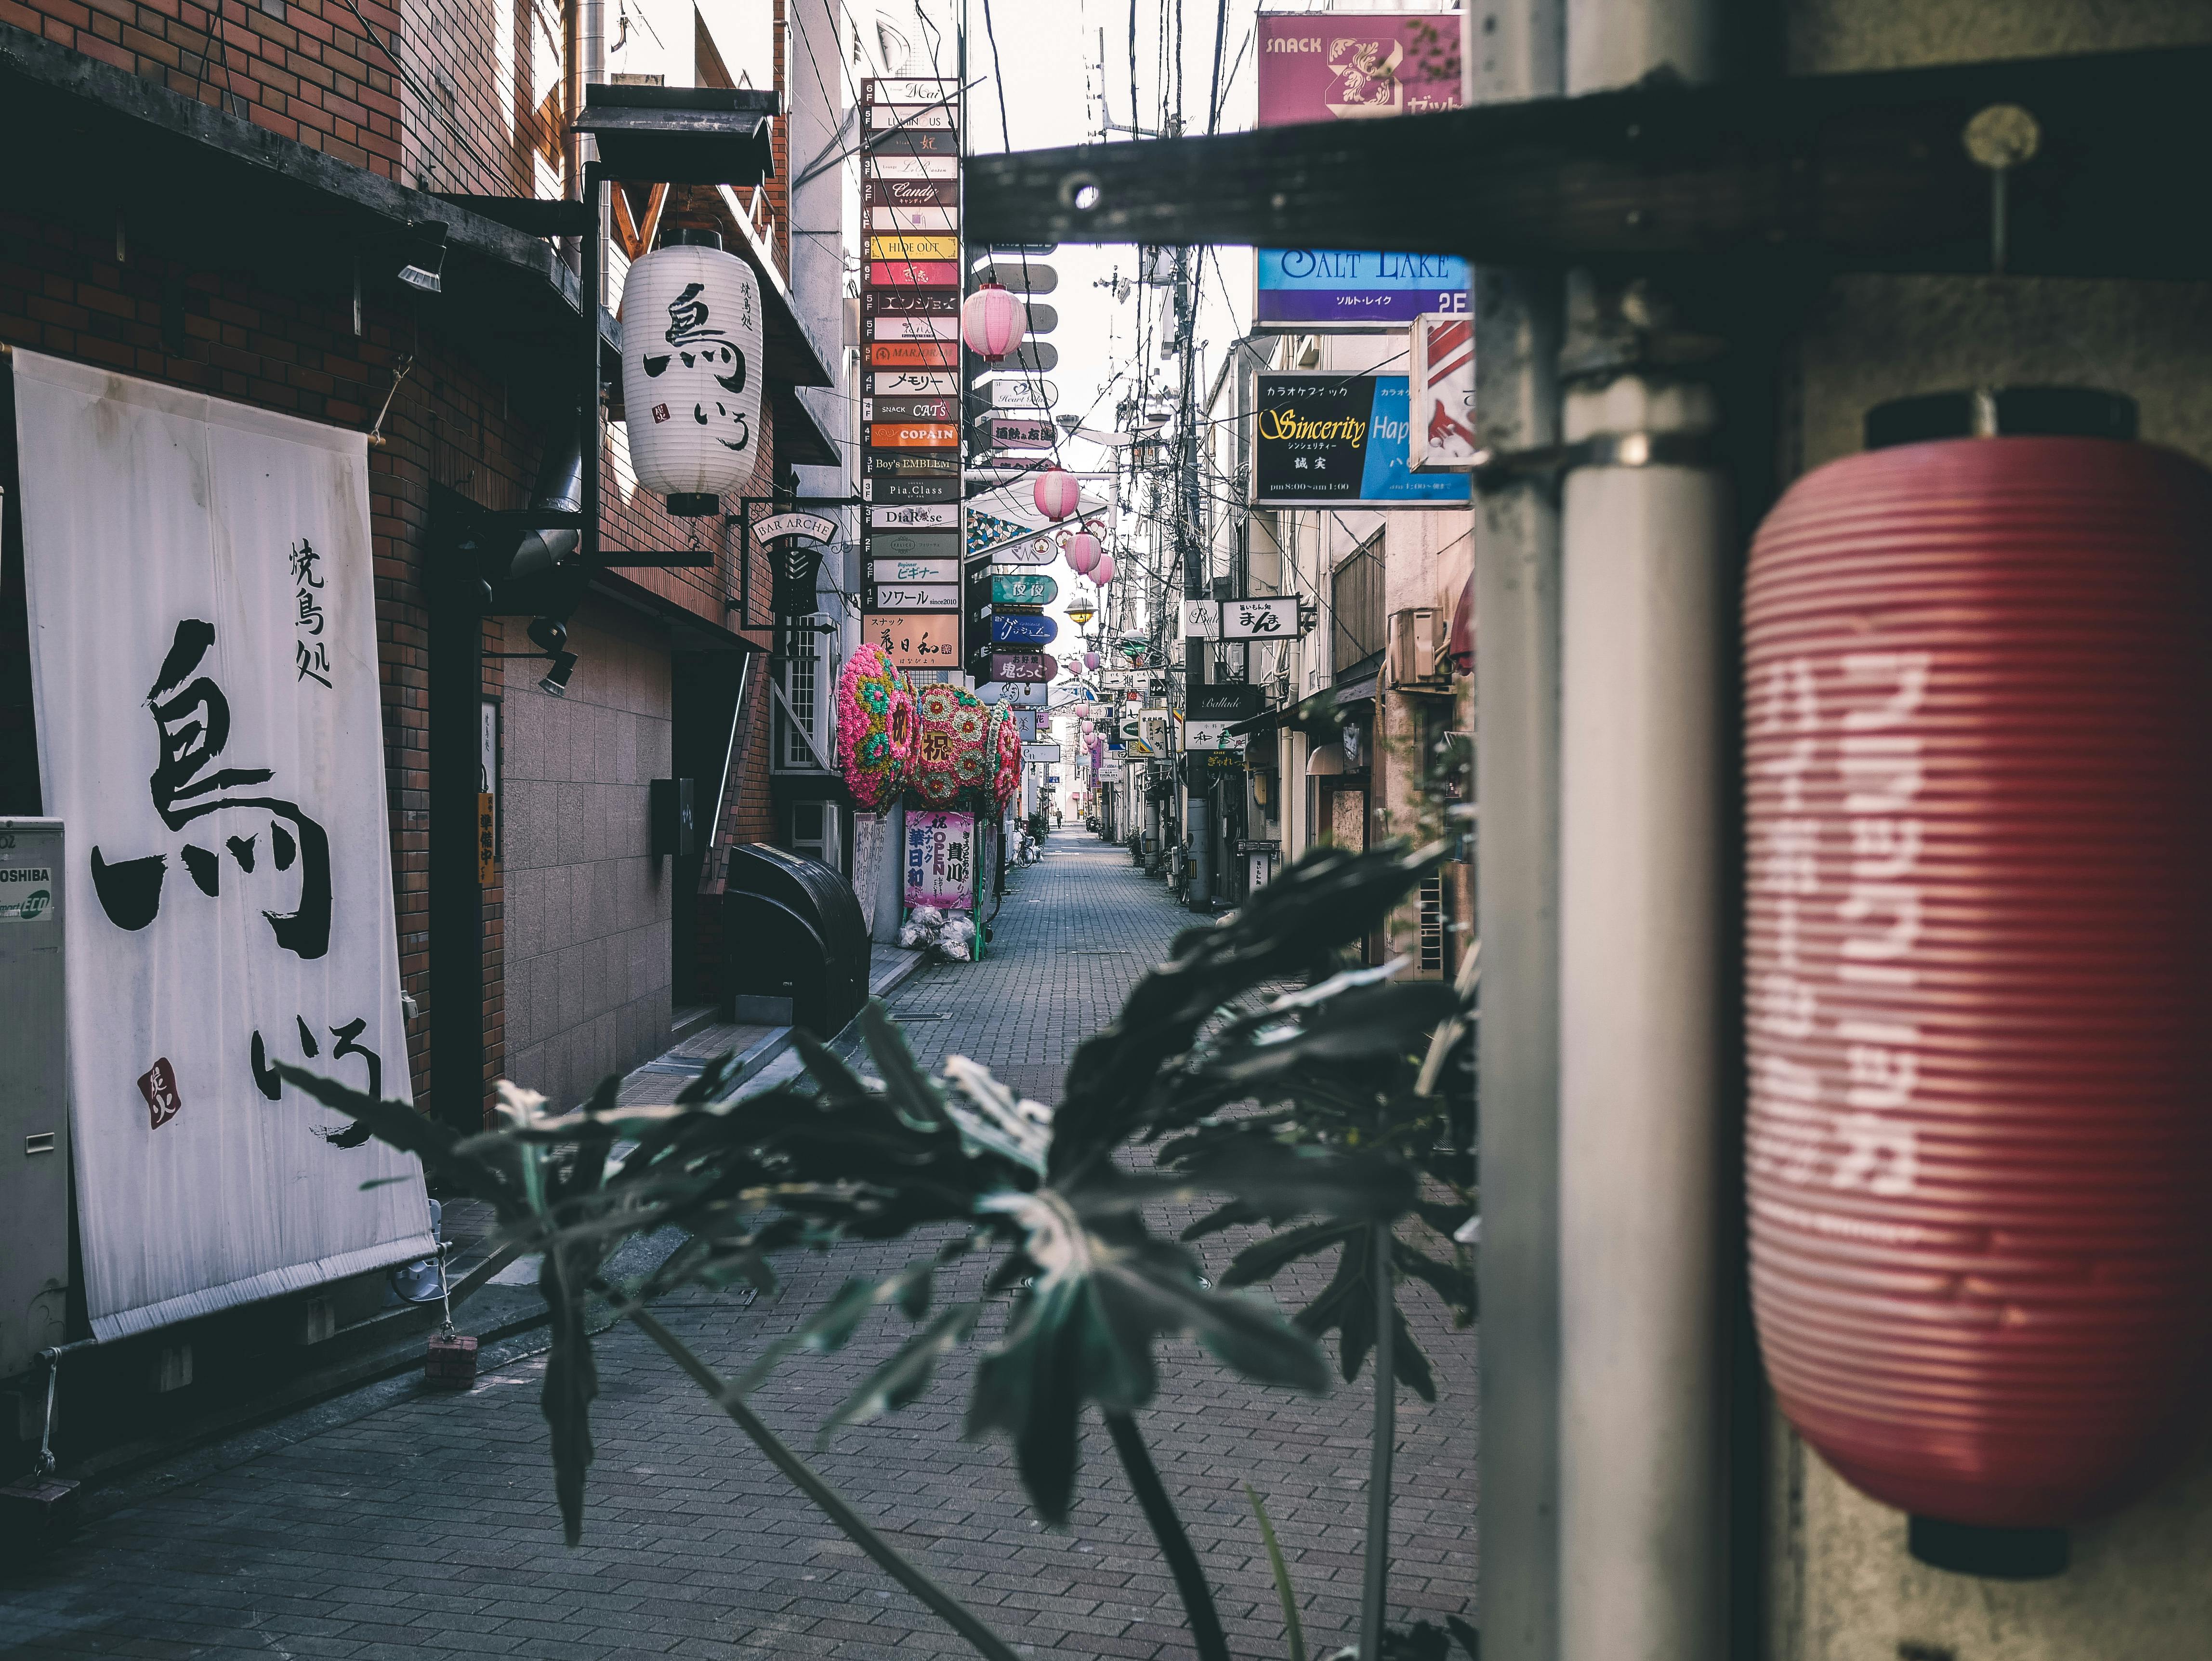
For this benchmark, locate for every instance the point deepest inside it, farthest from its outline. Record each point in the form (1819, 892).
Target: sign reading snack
(915, 640)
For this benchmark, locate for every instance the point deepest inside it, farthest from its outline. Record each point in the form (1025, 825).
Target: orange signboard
(914, 435)
(915, 640)
(914, 355)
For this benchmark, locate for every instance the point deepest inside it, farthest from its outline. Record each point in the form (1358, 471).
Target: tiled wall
(588, 909)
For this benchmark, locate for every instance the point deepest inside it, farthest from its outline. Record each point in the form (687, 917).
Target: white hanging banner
(204, 655)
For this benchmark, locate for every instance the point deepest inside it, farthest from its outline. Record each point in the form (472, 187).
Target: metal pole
(1517, 723)
(1643, 1550)
(589, 415)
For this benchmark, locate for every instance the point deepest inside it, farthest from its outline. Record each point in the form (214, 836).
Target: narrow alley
(398, 1522)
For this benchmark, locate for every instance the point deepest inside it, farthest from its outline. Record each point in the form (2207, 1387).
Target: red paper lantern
(1082, 553)
(992, 322)
(1977, 1157)
(1054, 494)
(1103, 572)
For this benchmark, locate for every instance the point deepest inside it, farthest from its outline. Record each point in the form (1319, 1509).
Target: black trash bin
(792, 929)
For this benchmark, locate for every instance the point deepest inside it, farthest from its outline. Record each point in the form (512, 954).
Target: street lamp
(1080, 611)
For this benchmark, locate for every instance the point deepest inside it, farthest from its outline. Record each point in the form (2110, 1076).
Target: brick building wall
(307, 70)
(449, 424)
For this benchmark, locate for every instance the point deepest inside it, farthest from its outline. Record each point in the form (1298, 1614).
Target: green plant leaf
(902, 1380)
(1294, 1633)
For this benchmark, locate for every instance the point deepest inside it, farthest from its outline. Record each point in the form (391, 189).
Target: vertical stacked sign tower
(910, 401)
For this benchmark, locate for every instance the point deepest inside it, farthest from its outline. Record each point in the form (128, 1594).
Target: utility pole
(1191, 544)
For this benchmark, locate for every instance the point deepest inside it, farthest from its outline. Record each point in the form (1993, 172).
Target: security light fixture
(426, 257)
(555, 683)
(550, 636)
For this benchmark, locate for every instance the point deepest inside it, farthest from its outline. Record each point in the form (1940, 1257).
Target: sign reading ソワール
(202, 622)
(911, 410)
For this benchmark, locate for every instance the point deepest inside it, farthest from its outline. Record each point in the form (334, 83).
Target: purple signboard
(941, 859)
(1349, 66)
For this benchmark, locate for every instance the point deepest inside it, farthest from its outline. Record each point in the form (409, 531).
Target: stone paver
(429, 1526)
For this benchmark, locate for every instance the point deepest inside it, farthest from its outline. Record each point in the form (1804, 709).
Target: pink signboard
(1336, 66)
(1351, 66)
(941, 859)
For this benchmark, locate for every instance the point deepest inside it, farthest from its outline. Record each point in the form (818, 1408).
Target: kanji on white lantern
(1054, 494)
(992, 322)
(691, 372)
(1082, 552)
(1102, 572)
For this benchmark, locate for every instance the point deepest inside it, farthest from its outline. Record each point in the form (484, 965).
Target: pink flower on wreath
(876, 728)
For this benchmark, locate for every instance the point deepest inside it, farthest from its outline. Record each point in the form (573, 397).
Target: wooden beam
(1863, 172)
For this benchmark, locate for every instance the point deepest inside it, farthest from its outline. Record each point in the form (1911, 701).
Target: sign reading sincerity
(1340, 439)
(1351, 67)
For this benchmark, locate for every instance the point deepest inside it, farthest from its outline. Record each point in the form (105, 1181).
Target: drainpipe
(1645, 529)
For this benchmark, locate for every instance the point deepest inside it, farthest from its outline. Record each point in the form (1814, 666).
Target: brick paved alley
(410, 1522)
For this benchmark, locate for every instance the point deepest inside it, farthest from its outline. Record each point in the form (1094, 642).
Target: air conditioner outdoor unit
(1418, 640)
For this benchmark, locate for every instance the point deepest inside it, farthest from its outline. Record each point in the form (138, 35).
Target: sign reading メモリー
(910, 414)
(1339, 440)
(1316, 66)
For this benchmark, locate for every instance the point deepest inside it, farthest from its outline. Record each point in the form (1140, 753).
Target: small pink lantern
(1083, 552)
(1090, 660)
(1054, 493)
(1102, 572)
(992, 322)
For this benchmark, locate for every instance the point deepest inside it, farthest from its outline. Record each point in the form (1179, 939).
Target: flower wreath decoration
(877, 727)
(949, 752)
(1006, 748)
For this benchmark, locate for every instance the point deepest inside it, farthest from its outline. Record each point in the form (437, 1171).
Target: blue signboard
(1340, 440)
(1341, 286)
(1021, 629)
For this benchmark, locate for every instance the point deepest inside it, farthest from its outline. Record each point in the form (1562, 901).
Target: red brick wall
(305, 69)
(484, 114)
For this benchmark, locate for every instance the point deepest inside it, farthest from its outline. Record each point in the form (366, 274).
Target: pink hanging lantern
(1083, 552)
(1102, 572)
(1090, 660)
(1054, 493)
(992, 322)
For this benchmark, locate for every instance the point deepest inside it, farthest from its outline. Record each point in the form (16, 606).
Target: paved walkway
(415, 1523)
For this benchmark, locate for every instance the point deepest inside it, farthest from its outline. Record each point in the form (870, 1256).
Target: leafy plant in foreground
(1050, 1197)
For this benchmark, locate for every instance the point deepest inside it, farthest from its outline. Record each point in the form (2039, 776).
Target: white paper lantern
(691, 372)
(1082, 552)
(1102, 572)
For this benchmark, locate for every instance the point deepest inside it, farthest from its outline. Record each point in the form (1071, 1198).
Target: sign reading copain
(1340, 439)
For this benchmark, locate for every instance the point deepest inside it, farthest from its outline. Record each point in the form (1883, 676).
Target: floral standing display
(951, 753)
(1006, 747)
(877, 728)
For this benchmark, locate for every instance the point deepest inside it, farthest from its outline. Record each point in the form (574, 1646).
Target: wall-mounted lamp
(555, 682)
(426, 257)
